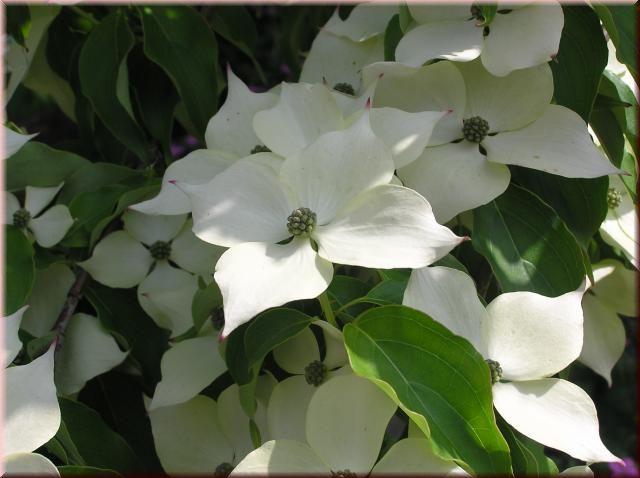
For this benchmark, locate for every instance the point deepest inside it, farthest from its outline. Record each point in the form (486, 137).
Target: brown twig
(73, 297)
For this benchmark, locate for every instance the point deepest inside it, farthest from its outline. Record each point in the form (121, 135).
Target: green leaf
(612, 85)
(92, 177)
(99, 67)
(452, 263)
(405, 17)
(234, 24)
(37, 164)
(179, 40)
(620, 22)
(527, 244)
(580, 203)
(98, 444)
(20, 270)
(581, 58)
(63, 447)
(488, 12)
(392, 35)
(71, 470)
(18, 20)
(389, 291)
(205, 301)
(344, 289)
(270, 329)
(119, 311)
(438, 378)
(527, 455)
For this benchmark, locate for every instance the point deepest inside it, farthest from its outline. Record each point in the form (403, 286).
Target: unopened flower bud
(260, 148)
(475, 129)
(496, 370)
(160, 250)
(343, 474)
(21, 218)
(315, 373)
(301, 222)
(345, 88)
(614, 199)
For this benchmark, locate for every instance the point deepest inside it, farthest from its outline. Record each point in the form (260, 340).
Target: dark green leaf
(527, 244)
(119, 311)
(71, 470)
(452, 263)
(405, 17)
(392, 36)
(527, 455)
(102, 65)
(17, 20)
(344, 289)
(388, 291)
(235, 356)
(611, 85)
(438, 378)
(580, 203)
(93, 176)
(98, 445)
(37, 164)
(63, 447)
(234, 24)
(620, 22)
(604, 102)
(581, 58)
(488, 12)
(629, 164)
(19, 272)
(40, 345)
(179, 40)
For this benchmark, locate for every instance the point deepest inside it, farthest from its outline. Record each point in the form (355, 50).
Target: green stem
(326, 309)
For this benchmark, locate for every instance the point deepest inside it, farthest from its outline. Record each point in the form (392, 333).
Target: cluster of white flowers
(362, 163)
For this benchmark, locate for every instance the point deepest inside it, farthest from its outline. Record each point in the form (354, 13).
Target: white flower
(300, 356)
(207, 436)
(613, 293)
(526, 338)
(334, 192)
(345, 435)
(520, 36)
(620, 227)
(32, 415)
(229, 136)
(510, 118)
(47, 228)
(124, 259)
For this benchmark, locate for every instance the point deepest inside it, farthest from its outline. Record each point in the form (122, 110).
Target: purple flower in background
(183, 146)
(628, 469)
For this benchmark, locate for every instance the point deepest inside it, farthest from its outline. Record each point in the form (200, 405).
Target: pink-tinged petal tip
(367, 106)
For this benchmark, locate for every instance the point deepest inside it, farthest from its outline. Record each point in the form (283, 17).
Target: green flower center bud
(344, 474)
(260, 148)
(223, 469)
(301, 222)
(160, 250)
(315, 373)
(496, 370)
(21, 218)
(345, 88)
(475, 129)
(614, 199)
(476, 12)
(217, 318)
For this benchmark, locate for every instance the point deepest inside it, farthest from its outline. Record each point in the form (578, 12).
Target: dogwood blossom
(525, 338)
(620, 227)
(125, 259)
(335, 194)
(344, 437)
(49, 227)
(613, 293)
(519, 36)
(494, 122)
(14, 141)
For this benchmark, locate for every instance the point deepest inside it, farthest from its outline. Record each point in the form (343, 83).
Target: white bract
(345, 424)
(49, 227)
(300, 356)
(613, 293)
(494, 122)
(124, 259)
(32, 415)
(528, 337)
(620, 227)
(229, 136)
(519, 36)
(14, 141)
(334, 193)
(202, 435)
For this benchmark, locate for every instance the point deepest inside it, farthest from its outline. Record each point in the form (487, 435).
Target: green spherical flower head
(475, 129)
(315, 373)
(160, 250)
(217, 318)
(496, 370)
(260, 148)
(343, 474)
(223, 469)
(345, 88)
(614, 199)
(301, 222)
(21, 218)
